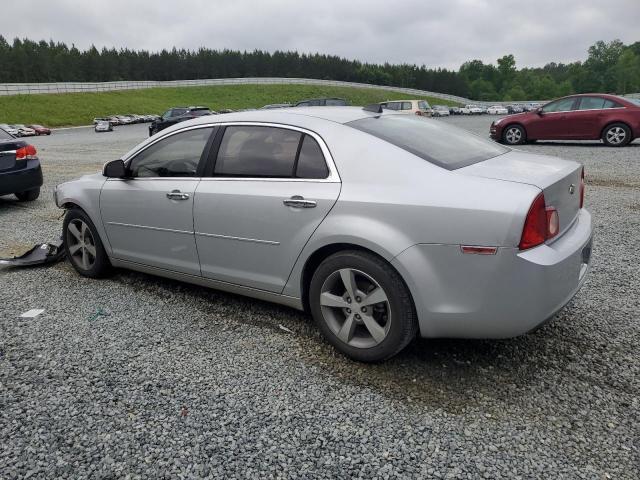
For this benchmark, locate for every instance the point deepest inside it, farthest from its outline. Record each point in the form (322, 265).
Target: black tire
(616, 135)
(101, 265)
(402, 320)
(28, 195)
(514, 135)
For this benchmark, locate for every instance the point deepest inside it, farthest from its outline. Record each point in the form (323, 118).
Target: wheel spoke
(348, 327)
(349, 280)
(85, 260)
(74, 248)
(376, 331)
(377, 296)
(330, 300)
(74, 231)
(91, 249)
(83, 230)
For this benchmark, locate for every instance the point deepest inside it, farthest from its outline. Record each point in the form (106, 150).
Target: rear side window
(437, 142)
(175, 156)
(333, 102)
(391, 106)
(201, 112)
(311, 162)
(406, 106)
(248, 151)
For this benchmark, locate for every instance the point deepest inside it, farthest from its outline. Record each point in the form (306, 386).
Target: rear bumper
(16, 181)
(495, 296)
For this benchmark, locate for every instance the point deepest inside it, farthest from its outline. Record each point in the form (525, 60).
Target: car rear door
(148, 216)
(590, 117)
(267, 189)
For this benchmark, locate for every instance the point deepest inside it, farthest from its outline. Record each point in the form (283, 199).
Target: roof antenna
(374, 107)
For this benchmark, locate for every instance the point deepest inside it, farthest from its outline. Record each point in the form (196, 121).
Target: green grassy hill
(69, 109)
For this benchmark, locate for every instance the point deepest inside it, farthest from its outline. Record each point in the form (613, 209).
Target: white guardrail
(82, 87)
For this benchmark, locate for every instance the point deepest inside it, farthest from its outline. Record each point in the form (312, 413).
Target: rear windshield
(437, 142)
(4, 135)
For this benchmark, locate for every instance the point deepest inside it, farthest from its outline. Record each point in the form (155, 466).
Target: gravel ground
(180, 381)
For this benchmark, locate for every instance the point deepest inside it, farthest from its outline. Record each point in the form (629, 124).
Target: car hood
(517, 116)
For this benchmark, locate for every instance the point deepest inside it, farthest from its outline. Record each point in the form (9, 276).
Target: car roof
(616, 98)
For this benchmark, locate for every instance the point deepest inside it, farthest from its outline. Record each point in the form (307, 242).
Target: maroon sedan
(615, 120)
(40, 130)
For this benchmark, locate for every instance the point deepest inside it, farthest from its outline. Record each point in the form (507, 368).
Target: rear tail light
(582, 186)
(541, 224)
(26, 153)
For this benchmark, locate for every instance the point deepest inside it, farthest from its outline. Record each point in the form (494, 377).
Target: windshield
(439, 143)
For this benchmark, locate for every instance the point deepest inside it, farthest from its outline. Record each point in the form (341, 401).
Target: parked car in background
(20, 171)
(612, 119)
(322, 102)
(24, 131)
(440, 111)
(176, 115)
(514, 109)
(225, 110)
(103, 126)
(302, 225)
(465, 110)
(416, 107)
(277, 105)
(10, 129)
(454, 111)
(473, 109)
(40, 130)
(497, 110)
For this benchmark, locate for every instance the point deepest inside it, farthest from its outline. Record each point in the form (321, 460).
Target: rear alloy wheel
(616, 135)
(514, 135)
(362, 306)
(28, 195)
(83, 246)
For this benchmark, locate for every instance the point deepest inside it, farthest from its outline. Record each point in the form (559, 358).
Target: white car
(24, 131)
(440, 111)
(10, 129)
(474, 109)
(497, 110)
(465, 110)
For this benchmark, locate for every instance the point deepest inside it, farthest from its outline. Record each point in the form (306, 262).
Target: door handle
(298, 201)
(177, 195)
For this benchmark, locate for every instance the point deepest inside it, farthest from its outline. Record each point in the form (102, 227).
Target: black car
(323, 102)
(177, 114)
(20, 171)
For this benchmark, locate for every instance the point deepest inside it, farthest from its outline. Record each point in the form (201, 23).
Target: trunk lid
(558, 179)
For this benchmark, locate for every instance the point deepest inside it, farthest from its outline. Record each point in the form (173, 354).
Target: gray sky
(430, 32)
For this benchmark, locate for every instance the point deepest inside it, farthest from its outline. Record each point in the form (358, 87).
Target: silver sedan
(380, 225)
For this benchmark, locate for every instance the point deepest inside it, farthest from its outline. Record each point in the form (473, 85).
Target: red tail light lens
(26, 153)
(541, 224)
(582, 186)
(535, 225)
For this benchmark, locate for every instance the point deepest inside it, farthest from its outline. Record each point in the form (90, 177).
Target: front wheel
(83, 246)
(616, 135)
(28, 195)
(514, 135)
(362, 306)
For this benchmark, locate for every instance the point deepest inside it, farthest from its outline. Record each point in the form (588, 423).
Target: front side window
(562, 105)
(439, 143)
(422, 105)
(248, 151)
(175, 156)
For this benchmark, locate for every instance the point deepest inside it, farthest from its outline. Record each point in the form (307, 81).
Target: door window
(311, 162)
(562, 105)
(406, 106)
(175, 156)
(392, 106)
(248, 151)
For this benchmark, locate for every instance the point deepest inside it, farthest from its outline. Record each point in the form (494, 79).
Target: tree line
(609, 67)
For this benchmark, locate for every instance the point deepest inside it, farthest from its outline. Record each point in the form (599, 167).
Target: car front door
(148, 216)
(267, 189)
(553, 121)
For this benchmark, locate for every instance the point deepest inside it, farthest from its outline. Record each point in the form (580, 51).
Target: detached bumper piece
(39, 255)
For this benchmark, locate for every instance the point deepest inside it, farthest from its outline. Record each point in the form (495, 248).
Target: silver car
(380, 225)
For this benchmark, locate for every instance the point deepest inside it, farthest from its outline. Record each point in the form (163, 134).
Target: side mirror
(539, 111)
(114, 169)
